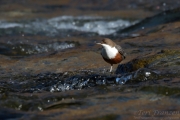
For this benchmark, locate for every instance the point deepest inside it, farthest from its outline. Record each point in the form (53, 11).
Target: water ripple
(55, 26)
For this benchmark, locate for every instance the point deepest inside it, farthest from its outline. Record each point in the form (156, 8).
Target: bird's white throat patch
(108, 52)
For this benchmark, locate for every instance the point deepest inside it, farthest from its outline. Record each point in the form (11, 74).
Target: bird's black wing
(121, 51)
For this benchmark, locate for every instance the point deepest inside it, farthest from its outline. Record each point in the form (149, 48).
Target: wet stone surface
(51, 67)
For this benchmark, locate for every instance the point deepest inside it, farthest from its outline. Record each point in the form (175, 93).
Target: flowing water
(65, 24)
(61, 27)
(31, 87)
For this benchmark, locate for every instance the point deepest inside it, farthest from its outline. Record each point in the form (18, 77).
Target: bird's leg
(111, 68)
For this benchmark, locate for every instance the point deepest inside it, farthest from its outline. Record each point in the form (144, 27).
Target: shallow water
(51, 94)
(47, 69)
(61, 26)
(28, 48)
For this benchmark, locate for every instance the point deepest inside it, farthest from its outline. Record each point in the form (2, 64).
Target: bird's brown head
(108, 42)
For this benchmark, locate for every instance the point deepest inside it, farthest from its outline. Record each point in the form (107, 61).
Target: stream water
(31, 87)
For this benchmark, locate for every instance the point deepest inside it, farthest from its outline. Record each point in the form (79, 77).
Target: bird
(111, 52)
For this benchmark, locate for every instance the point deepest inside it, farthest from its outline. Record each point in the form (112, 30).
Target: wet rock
(74, 83)
(163, 90)
(140, 75)
(164, 59)
(4, 114)
(161, 18)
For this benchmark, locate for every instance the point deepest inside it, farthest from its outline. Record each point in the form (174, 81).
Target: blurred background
(126, 9)
(82, 21)
(51, 68)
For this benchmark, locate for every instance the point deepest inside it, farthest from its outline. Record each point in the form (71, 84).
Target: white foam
(95, 24)
(59, 18)
(98, 25)
(6, 25)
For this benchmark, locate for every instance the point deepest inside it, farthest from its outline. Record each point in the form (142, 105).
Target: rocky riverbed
(51, 68)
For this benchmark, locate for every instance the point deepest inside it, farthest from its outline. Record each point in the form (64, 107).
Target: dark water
(80, 90)
(148, 84)
(61, 27)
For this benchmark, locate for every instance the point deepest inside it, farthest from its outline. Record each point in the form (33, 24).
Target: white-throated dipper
(111, 52)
